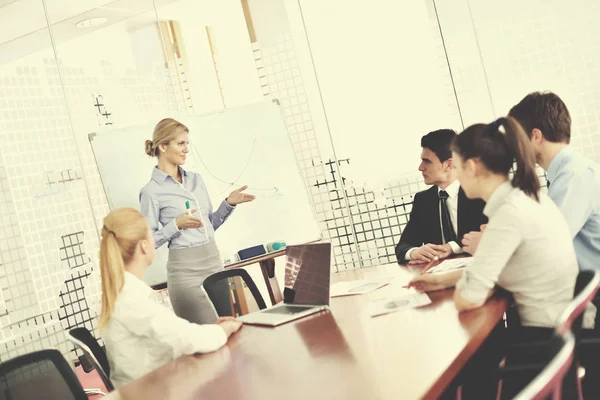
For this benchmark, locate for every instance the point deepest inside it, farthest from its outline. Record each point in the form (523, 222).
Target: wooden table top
(342, 353)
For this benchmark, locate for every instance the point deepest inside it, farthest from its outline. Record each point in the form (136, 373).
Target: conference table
(341, 353)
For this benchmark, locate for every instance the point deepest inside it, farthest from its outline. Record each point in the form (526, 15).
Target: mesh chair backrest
(40, 375)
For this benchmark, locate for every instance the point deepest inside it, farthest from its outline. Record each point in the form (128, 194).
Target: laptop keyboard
(287, 310)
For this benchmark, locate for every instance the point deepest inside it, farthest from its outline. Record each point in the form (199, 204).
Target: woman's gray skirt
(186, 270)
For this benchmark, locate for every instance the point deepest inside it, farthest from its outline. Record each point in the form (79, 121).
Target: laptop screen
(307, 274)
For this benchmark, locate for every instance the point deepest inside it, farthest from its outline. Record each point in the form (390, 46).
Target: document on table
(397, 303)
(449, 265)
(361, 286)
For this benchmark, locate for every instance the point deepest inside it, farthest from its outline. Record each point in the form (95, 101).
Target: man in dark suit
(442, 214)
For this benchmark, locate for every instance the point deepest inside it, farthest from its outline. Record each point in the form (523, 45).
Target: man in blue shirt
(574, 179)
(575, 188)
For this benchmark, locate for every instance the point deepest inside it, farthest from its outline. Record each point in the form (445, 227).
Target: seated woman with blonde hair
(140, 334)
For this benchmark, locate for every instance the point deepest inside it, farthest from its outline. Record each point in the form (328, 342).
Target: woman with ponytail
(140, 334)
(526, 248)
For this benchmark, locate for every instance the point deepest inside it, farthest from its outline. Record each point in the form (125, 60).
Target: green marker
(187, 208)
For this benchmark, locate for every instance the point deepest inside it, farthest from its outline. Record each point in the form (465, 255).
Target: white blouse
(527, 250)
(143, 335)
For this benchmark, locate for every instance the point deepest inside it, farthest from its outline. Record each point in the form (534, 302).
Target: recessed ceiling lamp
(91, 22)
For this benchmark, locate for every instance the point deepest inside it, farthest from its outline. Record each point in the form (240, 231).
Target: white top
(143, 335)
(527, 250)
(452, 204)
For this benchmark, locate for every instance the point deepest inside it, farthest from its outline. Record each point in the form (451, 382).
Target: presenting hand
(427, 283)
(428, 252)
(185, 221)
(471, 240)
(237, 197)
(230, 326)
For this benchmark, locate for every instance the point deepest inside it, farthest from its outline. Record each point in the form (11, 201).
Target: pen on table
(428, 266)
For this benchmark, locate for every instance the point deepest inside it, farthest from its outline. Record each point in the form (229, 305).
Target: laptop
(306, 292)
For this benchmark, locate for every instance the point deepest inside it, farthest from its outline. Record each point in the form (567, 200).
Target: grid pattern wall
(42, 167)
(548, 45)
(281, 79)
(364, 225)
(49, 280)
(365, 230)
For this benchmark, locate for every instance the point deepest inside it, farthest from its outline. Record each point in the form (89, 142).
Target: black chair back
(548, 383)
(42, 374)
(216, 283)
(84, 339)
(586, 287)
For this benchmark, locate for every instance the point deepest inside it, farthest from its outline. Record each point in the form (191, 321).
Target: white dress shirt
(143, 335)
(527, 250)
(452, 203)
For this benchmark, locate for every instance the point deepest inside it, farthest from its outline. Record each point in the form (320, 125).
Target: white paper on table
(361, 286)
(449, 265)
(393, 304)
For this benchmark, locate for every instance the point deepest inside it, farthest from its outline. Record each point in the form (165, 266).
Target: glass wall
(69, 70)
(359, 83)
(359, 100)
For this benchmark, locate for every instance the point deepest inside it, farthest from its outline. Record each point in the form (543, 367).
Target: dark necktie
(448, 234)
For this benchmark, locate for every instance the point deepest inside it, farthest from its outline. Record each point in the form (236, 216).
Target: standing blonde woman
(140, 334)
(193, 254)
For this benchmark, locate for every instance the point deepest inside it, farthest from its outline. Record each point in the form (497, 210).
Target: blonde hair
(123, 229)
(165, 131)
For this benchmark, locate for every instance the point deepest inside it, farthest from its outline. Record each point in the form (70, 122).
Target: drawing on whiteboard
(260, 193)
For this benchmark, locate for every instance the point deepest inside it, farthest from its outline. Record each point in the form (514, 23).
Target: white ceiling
(24, 29)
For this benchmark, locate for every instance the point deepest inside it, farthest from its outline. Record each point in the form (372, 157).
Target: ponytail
(123, 230)
(112, 271)
(525, 176)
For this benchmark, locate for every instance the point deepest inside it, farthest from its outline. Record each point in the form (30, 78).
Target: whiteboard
(248, 145)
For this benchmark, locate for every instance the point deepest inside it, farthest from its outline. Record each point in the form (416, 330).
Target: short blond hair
(165, 131)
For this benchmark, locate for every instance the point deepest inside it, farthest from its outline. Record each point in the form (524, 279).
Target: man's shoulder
(574, 163)
(430, 192)
(573, 174)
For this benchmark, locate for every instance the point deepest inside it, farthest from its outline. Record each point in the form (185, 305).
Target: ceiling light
(91, 22)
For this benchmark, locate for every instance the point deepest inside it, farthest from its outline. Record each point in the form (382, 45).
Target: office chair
(548, 383)
(84, 339)
(214, 287)
(571, 320)
(42, 374)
